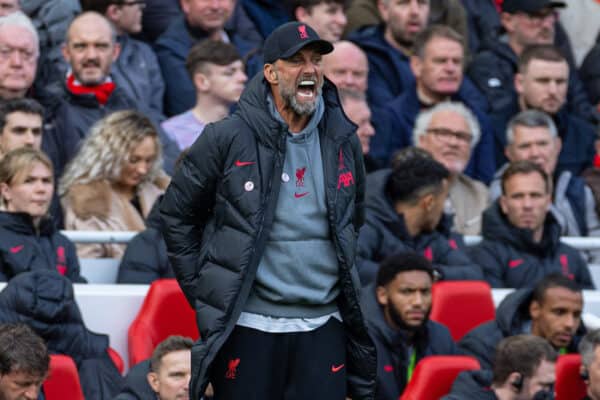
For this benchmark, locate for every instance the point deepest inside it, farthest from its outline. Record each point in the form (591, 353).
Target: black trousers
(256, 365)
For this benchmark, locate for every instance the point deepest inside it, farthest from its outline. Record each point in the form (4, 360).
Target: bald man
(347, 66)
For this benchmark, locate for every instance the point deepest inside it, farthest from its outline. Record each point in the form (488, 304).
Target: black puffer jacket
(511, 259)
(512, 318)
(23, 249)
(393, 346)
(472, 385)
(45, 301)
(136, 386)
(384, 234)
(217, 217)
(145, 258)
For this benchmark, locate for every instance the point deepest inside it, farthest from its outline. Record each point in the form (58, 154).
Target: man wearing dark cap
(525, 23)
(261, 221)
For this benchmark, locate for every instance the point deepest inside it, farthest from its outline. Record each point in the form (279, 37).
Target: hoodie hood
(496, 227)
(22, 223)
(501, 48)
(473, 385)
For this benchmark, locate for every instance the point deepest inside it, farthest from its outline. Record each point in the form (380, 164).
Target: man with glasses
(437, 64)
(526, 23)
(449, 131)
(136, 70)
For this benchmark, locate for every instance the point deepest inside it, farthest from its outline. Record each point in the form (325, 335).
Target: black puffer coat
(219, 209)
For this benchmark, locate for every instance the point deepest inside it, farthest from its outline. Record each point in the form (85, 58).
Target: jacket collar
(22, 223)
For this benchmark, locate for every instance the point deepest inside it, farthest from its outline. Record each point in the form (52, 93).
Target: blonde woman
(114, 180)
(28, 238)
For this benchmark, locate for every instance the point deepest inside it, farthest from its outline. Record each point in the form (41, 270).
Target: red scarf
(101, 91)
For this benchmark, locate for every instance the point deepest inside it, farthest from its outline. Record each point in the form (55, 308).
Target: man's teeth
(307, 83)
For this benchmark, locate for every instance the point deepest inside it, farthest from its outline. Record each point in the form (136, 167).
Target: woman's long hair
(107, 147)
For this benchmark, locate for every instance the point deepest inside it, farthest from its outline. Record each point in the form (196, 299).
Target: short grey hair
(424, 119)
(588, 345)
(530, 119)
(20, 19)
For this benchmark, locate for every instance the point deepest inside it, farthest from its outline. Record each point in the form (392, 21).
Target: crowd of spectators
(475, 117)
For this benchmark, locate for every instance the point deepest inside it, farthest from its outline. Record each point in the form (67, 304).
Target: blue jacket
(403, 111)
(512, 318)
(172, 48)
(266, 14)
(511, 259)
(577, 137)
(384, 234)
(392, 346)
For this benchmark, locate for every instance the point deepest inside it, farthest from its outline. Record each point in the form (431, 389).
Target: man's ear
(201, 82)
(301, 14)
(416, 66)
(535, 309)
(116, 51)
(5, 191)
(113, 12)
(383, 10)
(381, 294)
(426, 202)
(519, 82)
(270, 74)
(502, 202)
(153, 381)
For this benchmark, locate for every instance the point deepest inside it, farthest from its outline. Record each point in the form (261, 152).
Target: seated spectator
(24, 362)
(590, 363)
(449, 132)
(9, 7)
(526, 23)
(21, 124)
(357, 110)
(326, 17)
(521, 239)
(114, 180)
(136, 69)
(524, 369)
(45, 301)
(534, 311)
(30, 240)
(347, 66)
(397, 308)
(541, 84)
(532, 135)
(404, 212)
(18, 63)
(437, 63)
(217, 72)
(388, 47)
(165, 376)
(200, 21)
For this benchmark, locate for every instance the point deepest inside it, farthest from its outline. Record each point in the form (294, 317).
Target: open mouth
(306, 88)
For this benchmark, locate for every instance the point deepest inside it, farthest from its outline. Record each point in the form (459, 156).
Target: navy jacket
(403, 111)
(145, 258)
(511, 259)
(23, 249)
(172, 48)
(512, 318)
(136, 386)
(45, 301)
(384, 234)
(577, 137)
(493, 70)
(392, 346)
(472, 385)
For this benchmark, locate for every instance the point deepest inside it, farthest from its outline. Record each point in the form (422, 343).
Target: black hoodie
(472, 385)
(384, 234)
(510, 258)
(512, 318)
(24, 248)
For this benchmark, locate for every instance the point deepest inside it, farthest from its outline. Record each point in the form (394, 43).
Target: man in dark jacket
(521, 239)
(552, 310)
(24, 362)
(397, 306)
(436, 81)
(261, 221)
(524, 369)
(526, 23)
(199, 22)
(541, 84)
(405, 213)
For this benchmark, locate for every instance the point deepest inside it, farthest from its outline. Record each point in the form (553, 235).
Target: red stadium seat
(434, 375)
(116, 359)
(63, 379)
(165, 312)
(569, 384)
(462, 305)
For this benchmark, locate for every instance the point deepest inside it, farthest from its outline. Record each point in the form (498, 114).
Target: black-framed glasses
(447, 134)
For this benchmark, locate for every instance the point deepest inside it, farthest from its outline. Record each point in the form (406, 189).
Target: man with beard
(521, 238)
(261, 220)
(405, 213)
(550, 310)
(397, 306)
